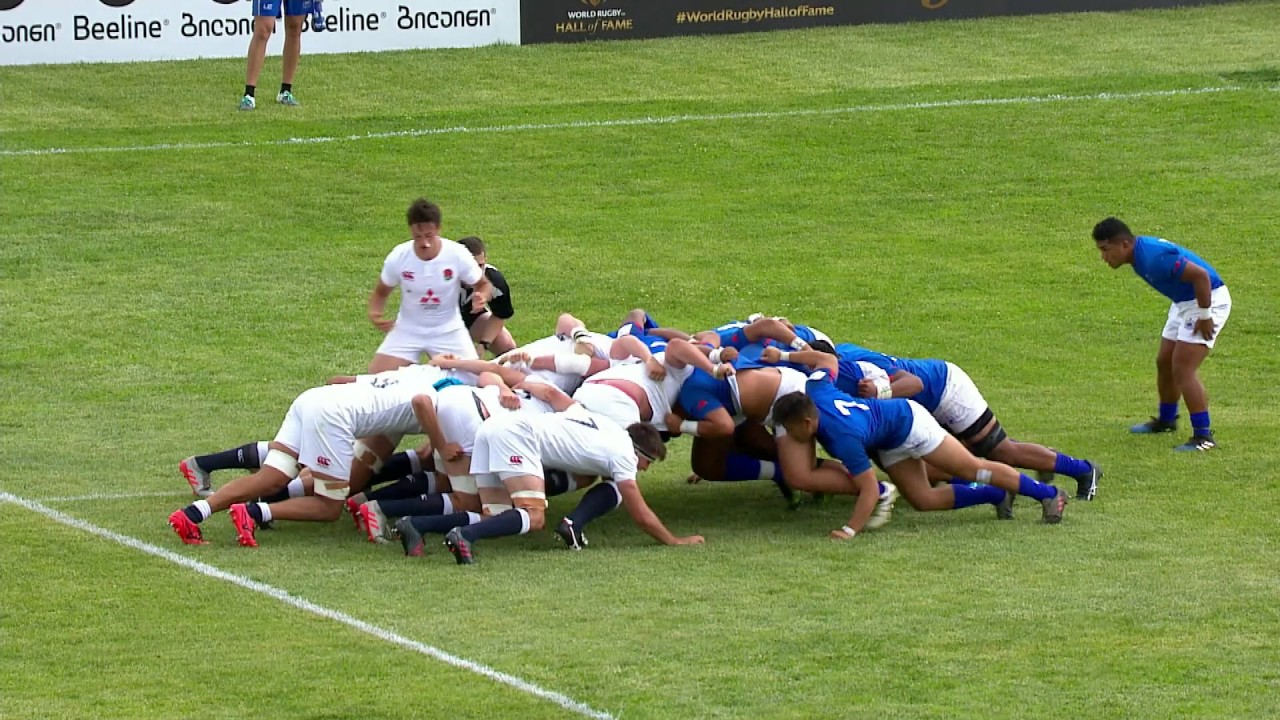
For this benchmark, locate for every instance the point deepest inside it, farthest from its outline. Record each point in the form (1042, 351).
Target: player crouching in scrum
(511, 452)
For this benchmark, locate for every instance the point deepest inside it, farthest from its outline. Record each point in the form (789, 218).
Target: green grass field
(162, 302)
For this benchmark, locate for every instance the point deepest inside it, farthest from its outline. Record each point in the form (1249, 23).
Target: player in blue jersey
(1200, 305)
(728, 416)
(950, 395)
(265, 14)
(758, 329)
(904, 436)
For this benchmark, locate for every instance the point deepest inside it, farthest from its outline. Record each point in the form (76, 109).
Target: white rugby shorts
(1181, 323)
(962, 403)
(408, 343)
(925, 437)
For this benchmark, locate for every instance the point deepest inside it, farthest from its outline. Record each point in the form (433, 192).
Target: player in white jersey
(430, 272)
(633, 393)
(318, 441)
(512, 452)
(460, 411)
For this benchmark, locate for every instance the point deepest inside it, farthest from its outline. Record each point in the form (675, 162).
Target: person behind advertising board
(1200, 306)
(265, 13)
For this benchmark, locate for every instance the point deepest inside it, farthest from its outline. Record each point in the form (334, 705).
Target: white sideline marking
(625, 122)
(110, 496)
(524, 686)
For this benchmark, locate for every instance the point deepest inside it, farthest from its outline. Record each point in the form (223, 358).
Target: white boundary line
(628, 122)
(111, 496)
(524, 686)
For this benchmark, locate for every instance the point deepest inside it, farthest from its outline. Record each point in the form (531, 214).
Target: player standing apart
(1201, 305)
(265, 13)
(430, 272)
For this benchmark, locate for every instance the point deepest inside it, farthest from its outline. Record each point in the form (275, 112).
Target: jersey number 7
(844, 405)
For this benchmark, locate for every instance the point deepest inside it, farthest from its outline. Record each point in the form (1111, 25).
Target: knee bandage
(366, 456)
(282, 461)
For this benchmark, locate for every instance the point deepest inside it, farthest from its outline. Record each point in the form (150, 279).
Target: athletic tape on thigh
(366, 456)
(530, 496)
(332, 489)
(282, 461)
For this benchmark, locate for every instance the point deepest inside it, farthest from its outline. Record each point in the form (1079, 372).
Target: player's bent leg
(528, 496)
(1166, 419)
(1046, 462)
(1187, 358)
(951, 456)
(912, 481)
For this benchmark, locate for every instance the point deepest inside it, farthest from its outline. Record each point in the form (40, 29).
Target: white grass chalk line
(628, 122)
(178, 494)
(524, 686)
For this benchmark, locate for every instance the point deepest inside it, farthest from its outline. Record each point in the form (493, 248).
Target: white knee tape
(366, 456)
(283, 462)
(495, 509)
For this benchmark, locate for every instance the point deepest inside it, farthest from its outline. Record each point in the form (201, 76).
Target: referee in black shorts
(489, 326)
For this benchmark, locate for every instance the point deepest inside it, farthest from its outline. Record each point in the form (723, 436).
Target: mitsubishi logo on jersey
(430, 298)
(515, 460)
(406, 274)
(448, 274)
(322, 461)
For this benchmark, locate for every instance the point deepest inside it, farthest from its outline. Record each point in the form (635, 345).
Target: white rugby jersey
(430, 289)
(382, 406)
(578, 441)
(662, 395)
